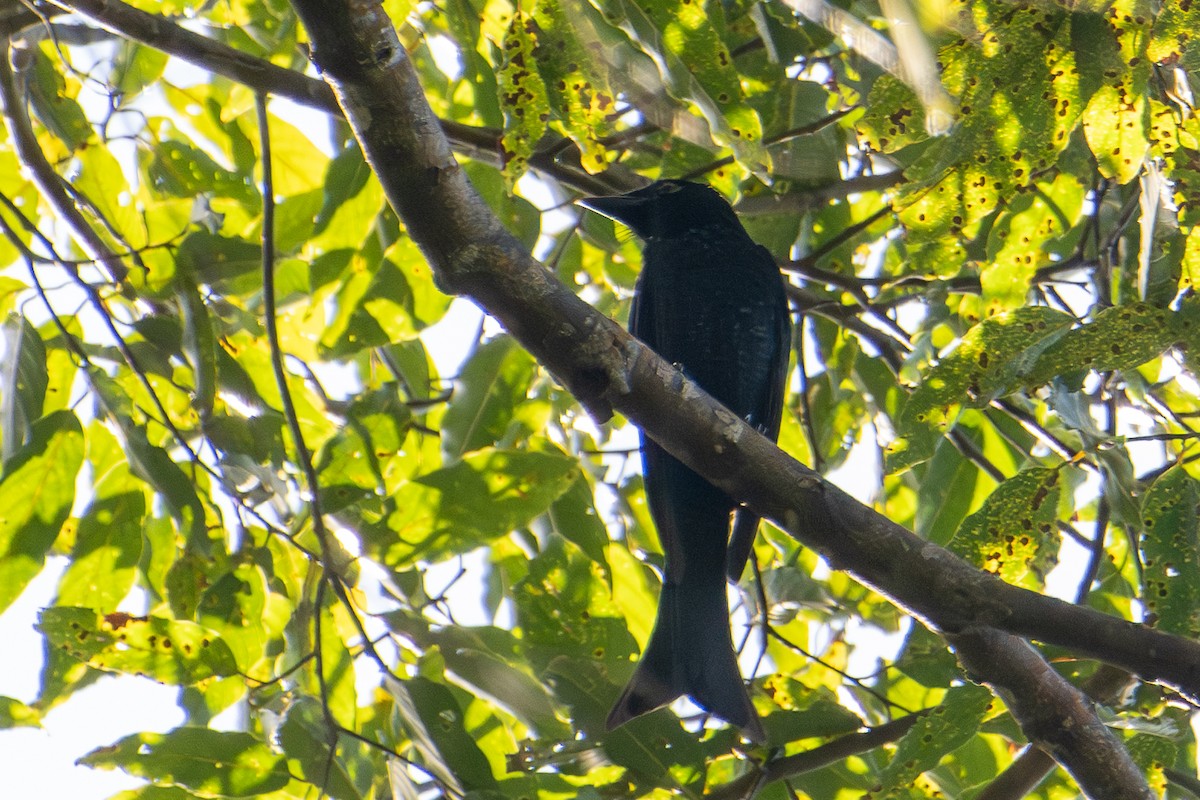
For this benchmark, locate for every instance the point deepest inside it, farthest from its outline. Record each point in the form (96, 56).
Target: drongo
(712, 302)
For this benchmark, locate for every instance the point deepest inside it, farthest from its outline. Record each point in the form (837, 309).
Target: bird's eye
(670, 187)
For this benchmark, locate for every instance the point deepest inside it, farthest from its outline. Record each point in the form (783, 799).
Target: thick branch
(1030, 768)
(472, 254)
(1055, 715)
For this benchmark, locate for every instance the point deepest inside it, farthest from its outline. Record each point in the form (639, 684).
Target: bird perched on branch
(711, 301)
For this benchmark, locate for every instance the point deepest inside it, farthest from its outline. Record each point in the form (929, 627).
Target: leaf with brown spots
(166, 650)
(1121, 337)
(953, 723)
(1013, 535)
(985, 365)
(522, 98)
(576, 83)
(1020, 236)
(1170, 546)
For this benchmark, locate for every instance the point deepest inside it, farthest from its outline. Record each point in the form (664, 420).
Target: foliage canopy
(425, 579)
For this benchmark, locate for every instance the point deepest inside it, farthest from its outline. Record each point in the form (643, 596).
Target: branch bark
(1056, 716)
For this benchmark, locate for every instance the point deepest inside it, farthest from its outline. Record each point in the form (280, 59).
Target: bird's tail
(690, 652)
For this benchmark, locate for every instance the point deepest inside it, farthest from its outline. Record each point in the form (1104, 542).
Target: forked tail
(690, 652)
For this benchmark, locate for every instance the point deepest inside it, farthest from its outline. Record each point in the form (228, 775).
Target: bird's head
(669, 209)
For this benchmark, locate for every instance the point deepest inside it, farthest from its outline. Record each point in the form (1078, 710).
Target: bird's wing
(770, 421)
(643, 323)
(766, 418)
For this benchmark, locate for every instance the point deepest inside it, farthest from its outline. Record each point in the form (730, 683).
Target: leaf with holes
(1170, 547)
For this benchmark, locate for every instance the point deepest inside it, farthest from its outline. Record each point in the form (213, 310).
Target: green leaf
(23, 382)
(927, 660)
(488, 494)
(210, 763)
(54, 105)
(518, 215)
(225, 263)
(338, 688)
(948, 490)
(575, 518)
(572, 628)
(683, 39)
(986, 364)
(1014, 536)
(250, 618)
(298, 165)
(952, 724)
(102, 181)
(393, 302)
(808, 711)
(351, 202)
(493, 383)
(1153, 753)
(434, 721)
(135, 67)
(168, 651)
(152, 463)
(15, 714)
(367, 456)
(304, 739)
(183, 170)
(491, 661)
(199, 346)
(1170, 546)
(108, 544)
(37, 489)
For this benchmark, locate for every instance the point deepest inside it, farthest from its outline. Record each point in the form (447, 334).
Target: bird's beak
(622, 207)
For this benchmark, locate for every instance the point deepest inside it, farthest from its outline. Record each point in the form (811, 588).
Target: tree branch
(1030, 768)
(1055, 715)
(831, 752)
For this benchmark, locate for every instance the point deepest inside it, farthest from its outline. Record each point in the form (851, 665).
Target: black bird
(711, 301)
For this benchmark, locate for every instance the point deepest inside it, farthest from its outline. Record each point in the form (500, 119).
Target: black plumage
(711, 301)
